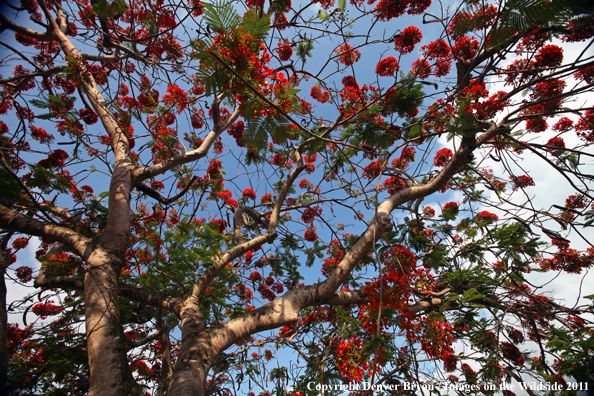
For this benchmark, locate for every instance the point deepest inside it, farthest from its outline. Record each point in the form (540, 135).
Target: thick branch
(26, 225)
(150, 297)
(5, 23)
(140, 174)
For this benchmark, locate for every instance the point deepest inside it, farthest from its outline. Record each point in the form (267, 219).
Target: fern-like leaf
(221, 16)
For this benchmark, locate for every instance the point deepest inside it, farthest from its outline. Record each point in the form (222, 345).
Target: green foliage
(304, 50)
(105, 9)
(257, 131)
(525, 15)
(221, 16)
(408, 96)
(10, 189)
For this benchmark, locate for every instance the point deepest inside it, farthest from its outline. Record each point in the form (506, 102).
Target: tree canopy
(277, 197)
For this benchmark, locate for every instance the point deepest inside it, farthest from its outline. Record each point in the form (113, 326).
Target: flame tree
(181, 165)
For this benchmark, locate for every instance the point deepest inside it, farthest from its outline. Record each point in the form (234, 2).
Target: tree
(241, 143)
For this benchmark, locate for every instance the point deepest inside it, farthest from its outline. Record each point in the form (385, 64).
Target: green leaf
(257, 131)
(256, 27)
(221, 16)
(304, 49)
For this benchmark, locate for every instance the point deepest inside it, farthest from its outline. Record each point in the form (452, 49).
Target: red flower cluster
(318, 95)
(20, 243)
(24, 274)
(310, 213)
(451, 207)
(406, 41)
(581, 29)
(387, 67)
(568, 260)
(43, 310)
(373, 170)
(428, 212)
(442, 157)
(266, 199)
(88, 116)
(176, 98)
(347, 55)
(585, 126)
(536, 125)
(284, 50)
(310, 234)
(485, 216)
(236, 130)
(549, 56)
(563, 125)
(218, 225)
(394, 184)
(491, 106)
(575, 202)
(56, 159)
(248, 193)
(421, 68)
(586, 75)
(521, 181)
(214, 168)
(465, 48)
(555, 145)
(389, 9)
(306, 184)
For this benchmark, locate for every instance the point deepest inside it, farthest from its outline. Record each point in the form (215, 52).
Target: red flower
(465, 48)
(442, 157)
(255, 276)
(438, 49)
(521, 181)
(214, 167)
(310, 213)
(536, 125)
(421, 68)
(24, 274)
(405, 43)
(586, 75)
(575, 202)
(581, 29)
(218, 225)
(347, 55)
(306, 184)
(387, 67)
(549, 56)
(176, 97)
(266, 199)
(485, 216)
(249, 193)
(349, 81)
(428, 212)
(284, 50)
(451, 207)
(56, 159)
(310, 234)
(88, 116)
(236, 130)
(563, 125)
(318, 95)
(394, 184)
(279, 159)
(20, 243)
(43, 310)
(555, 145)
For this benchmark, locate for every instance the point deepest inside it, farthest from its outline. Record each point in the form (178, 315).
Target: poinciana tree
(241, 144)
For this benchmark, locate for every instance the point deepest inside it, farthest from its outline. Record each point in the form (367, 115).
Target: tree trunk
(4, 263)
(195, 357)
(110, 372)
